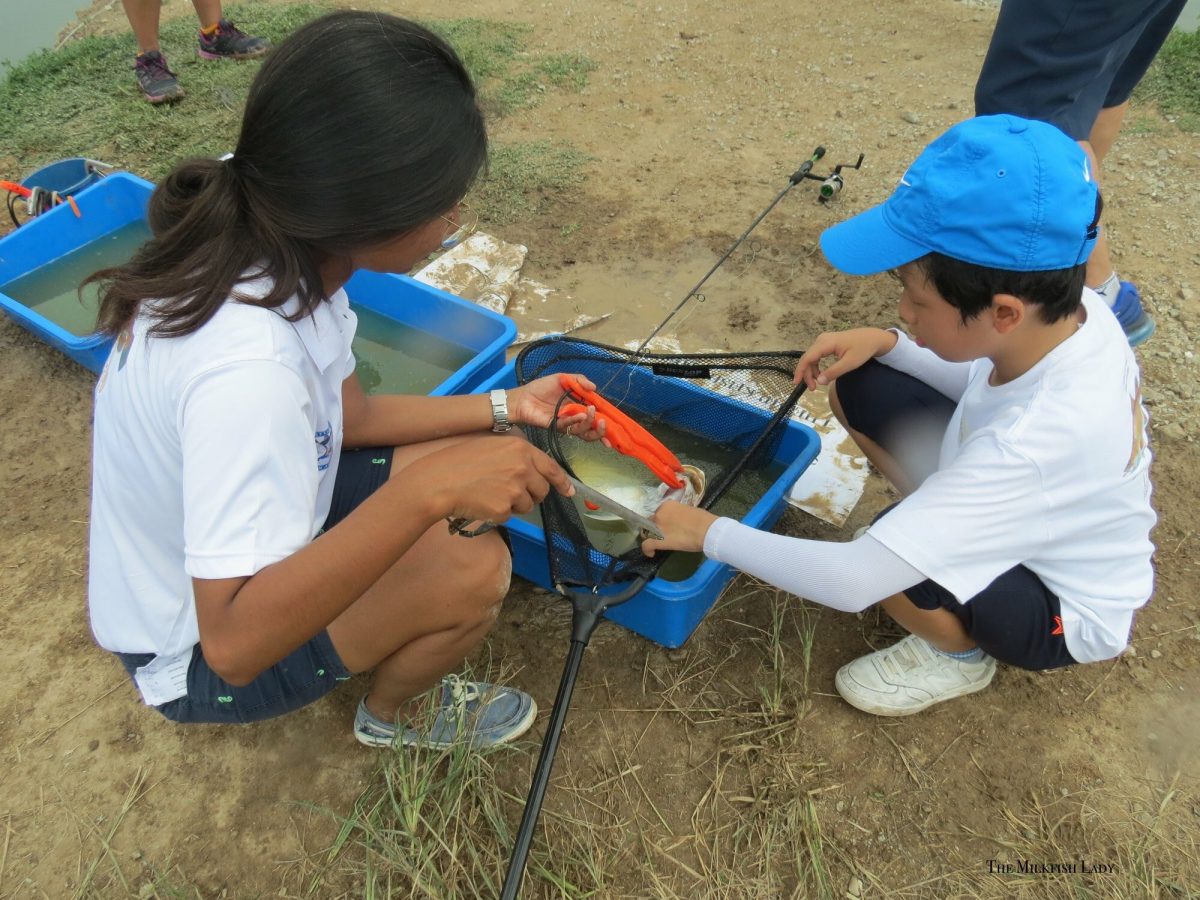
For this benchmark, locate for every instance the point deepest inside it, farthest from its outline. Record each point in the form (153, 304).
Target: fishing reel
(831, 184)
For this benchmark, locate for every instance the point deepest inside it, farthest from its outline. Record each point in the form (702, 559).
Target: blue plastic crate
(106, 206)
(667, 612)
(121, 199)
(478, 330)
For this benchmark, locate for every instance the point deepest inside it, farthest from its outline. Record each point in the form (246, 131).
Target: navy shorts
(1015, 619)
(1062, 61)
(309, 672)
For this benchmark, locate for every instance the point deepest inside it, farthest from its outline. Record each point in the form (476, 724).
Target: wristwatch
(500, 422)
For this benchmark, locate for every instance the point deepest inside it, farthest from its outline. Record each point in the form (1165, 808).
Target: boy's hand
(852, 348)
(684, 528)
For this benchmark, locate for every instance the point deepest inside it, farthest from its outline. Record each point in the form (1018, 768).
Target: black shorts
(1062, 61)
(1015, 619)
(307, 673)
(360, 474)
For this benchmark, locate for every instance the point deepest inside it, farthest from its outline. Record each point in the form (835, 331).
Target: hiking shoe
(909, 676)
(229, 42)
(1128, 310)
(482, 714)
(157, 82)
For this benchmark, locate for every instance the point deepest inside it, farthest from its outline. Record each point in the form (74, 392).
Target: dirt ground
(694, 117)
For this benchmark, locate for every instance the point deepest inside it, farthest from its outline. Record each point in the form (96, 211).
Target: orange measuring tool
(624, 434)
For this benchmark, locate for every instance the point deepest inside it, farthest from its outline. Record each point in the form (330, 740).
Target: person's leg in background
(1074, 64)
(221, 39)
(157, 81)
(218, 39)
(1123, 296)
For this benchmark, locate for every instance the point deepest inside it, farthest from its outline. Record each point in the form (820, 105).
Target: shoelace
(461, 692)
(156, 65)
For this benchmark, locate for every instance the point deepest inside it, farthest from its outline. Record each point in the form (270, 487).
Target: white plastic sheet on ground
(832, 485)
(482, 269)
(487, 271)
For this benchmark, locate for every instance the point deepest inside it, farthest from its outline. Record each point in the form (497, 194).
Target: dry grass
(1107, 848)
(744, 824)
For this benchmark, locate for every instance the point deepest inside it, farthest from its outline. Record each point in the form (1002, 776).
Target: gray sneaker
(480, 713)
(157, 82)
(230, 42)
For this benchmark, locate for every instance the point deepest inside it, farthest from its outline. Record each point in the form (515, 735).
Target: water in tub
(52, 290)
(395, 358)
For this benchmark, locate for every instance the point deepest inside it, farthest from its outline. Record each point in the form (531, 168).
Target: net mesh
(736, 404)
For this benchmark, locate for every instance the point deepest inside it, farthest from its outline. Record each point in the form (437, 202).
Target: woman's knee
(483, 575)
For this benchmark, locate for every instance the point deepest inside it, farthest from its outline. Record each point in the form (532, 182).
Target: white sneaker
(909, 676)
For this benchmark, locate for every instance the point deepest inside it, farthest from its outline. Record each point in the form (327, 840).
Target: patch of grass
(431, 824)
(525, 88)
(488, 49)
(519, 91)
(1173, 81)
(1145, 124)
(566, 70)
(82, 100)
(522, 176)
(509, 78)
(442, 823)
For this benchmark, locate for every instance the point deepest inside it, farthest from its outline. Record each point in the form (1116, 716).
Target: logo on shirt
(120, 353)
(324, 439)
(1139, 429)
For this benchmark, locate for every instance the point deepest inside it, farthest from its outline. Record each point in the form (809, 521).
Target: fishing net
(724, 413)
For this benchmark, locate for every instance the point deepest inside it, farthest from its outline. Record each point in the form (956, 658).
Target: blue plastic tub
(120, 199)
(667, 612)
(481, 332)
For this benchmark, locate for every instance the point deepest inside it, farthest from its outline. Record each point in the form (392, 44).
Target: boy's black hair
(360, 127)
(970, 288)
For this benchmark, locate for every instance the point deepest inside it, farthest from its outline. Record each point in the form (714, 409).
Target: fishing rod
(831, 185)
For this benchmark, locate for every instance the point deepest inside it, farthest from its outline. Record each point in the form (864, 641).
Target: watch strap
(500, 420)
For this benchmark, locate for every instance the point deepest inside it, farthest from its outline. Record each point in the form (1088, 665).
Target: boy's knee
(848, 392)
(835, 404)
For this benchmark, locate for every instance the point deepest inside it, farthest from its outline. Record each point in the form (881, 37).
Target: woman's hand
(852, 348)
(684, 528)
(534, 403)
(488, 479)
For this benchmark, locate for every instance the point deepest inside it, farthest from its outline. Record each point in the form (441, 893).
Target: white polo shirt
(214, 456)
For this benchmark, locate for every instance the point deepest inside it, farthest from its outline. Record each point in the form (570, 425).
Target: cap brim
(866, 245)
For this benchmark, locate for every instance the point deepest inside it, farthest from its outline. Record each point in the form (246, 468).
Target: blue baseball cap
(996, 191)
